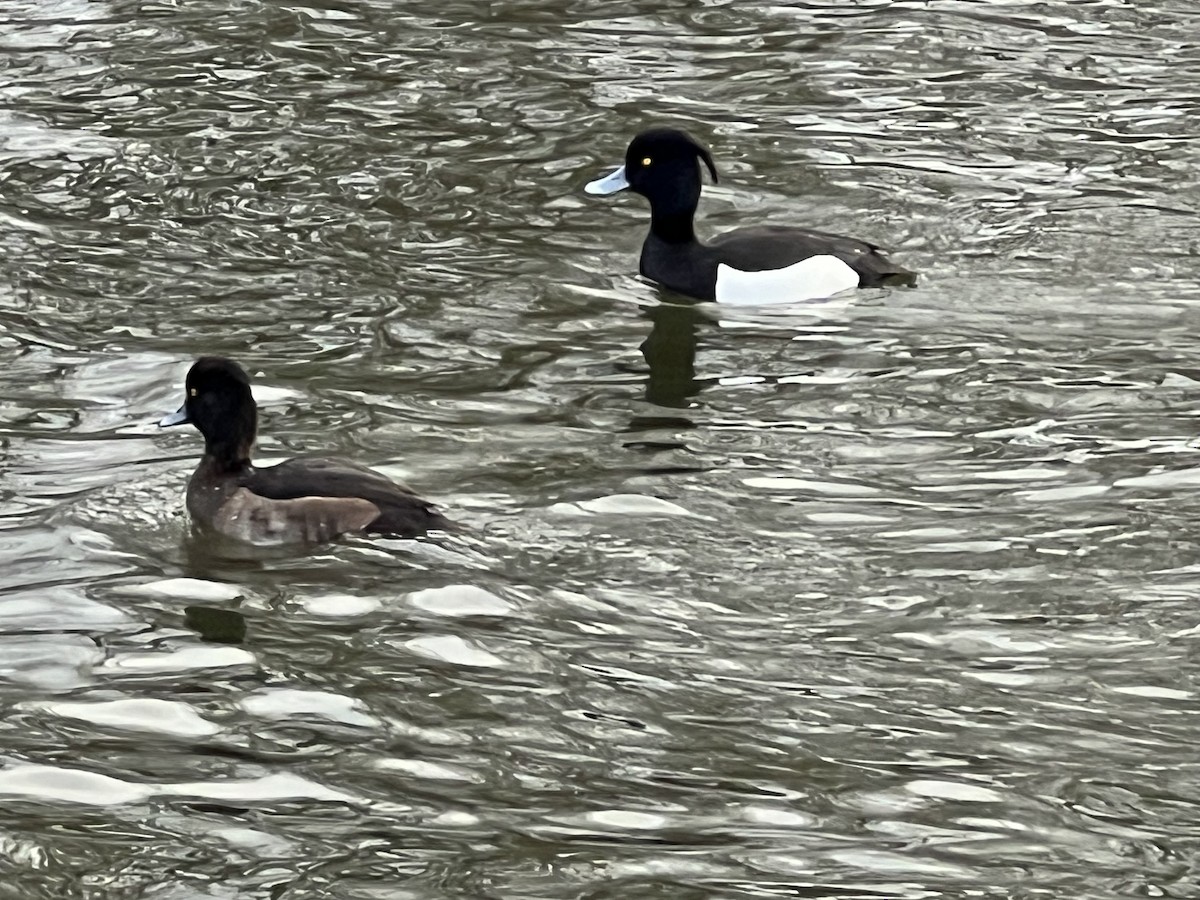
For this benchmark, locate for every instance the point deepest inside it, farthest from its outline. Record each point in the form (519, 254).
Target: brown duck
(301, 500)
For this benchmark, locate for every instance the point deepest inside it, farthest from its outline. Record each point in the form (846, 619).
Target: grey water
(897, 597)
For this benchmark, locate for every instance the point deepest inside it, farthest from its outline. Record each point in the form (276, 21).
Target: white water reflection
(286, 703)
(180, 659)
(136, 714)
(48, 662)
(67, 785)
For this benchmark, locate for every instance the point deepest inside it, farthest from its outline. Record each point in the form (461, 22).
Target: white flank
(810, 279)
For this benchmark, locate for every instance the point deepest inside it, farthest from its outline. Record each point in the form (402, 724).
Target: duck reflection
(670, 352)
(220, 626)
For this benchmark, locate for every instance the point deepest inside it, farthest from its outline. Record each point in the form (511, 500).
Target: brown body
(237, 512)
(303, 500)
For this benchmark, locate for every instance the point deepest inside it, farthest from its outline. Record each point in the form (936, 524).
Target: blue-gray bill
(609, 184)
(179, 417)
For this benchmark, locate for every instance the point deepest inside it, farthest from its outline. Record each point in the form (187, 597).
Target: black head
(664, 159)
(663, 165)
(219, 403)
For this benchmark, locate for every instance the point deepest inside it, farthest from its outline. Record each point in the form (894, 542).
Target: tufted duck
(760, 264)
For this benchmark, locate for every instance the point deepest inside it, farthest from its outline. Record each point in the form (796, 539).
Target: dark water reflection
(891, 598)
(670, 352)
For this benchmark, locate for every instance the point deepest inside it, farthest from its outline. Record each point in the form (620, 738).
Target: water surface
(887, 598)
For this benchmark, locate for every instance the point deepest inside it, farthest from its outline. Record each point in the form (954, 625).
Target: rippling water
(894, 598)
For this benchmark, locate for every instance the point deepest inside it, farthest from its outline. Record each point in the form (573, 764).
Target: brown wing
(398, 509)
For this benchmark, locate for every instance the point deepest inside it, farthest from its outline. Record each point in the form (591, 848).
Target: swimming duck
(759, 264)
(301, 500)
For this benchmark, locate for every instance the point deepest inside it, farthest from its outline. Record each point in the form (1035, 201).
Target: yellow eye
(646, 160)
(193, 392)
